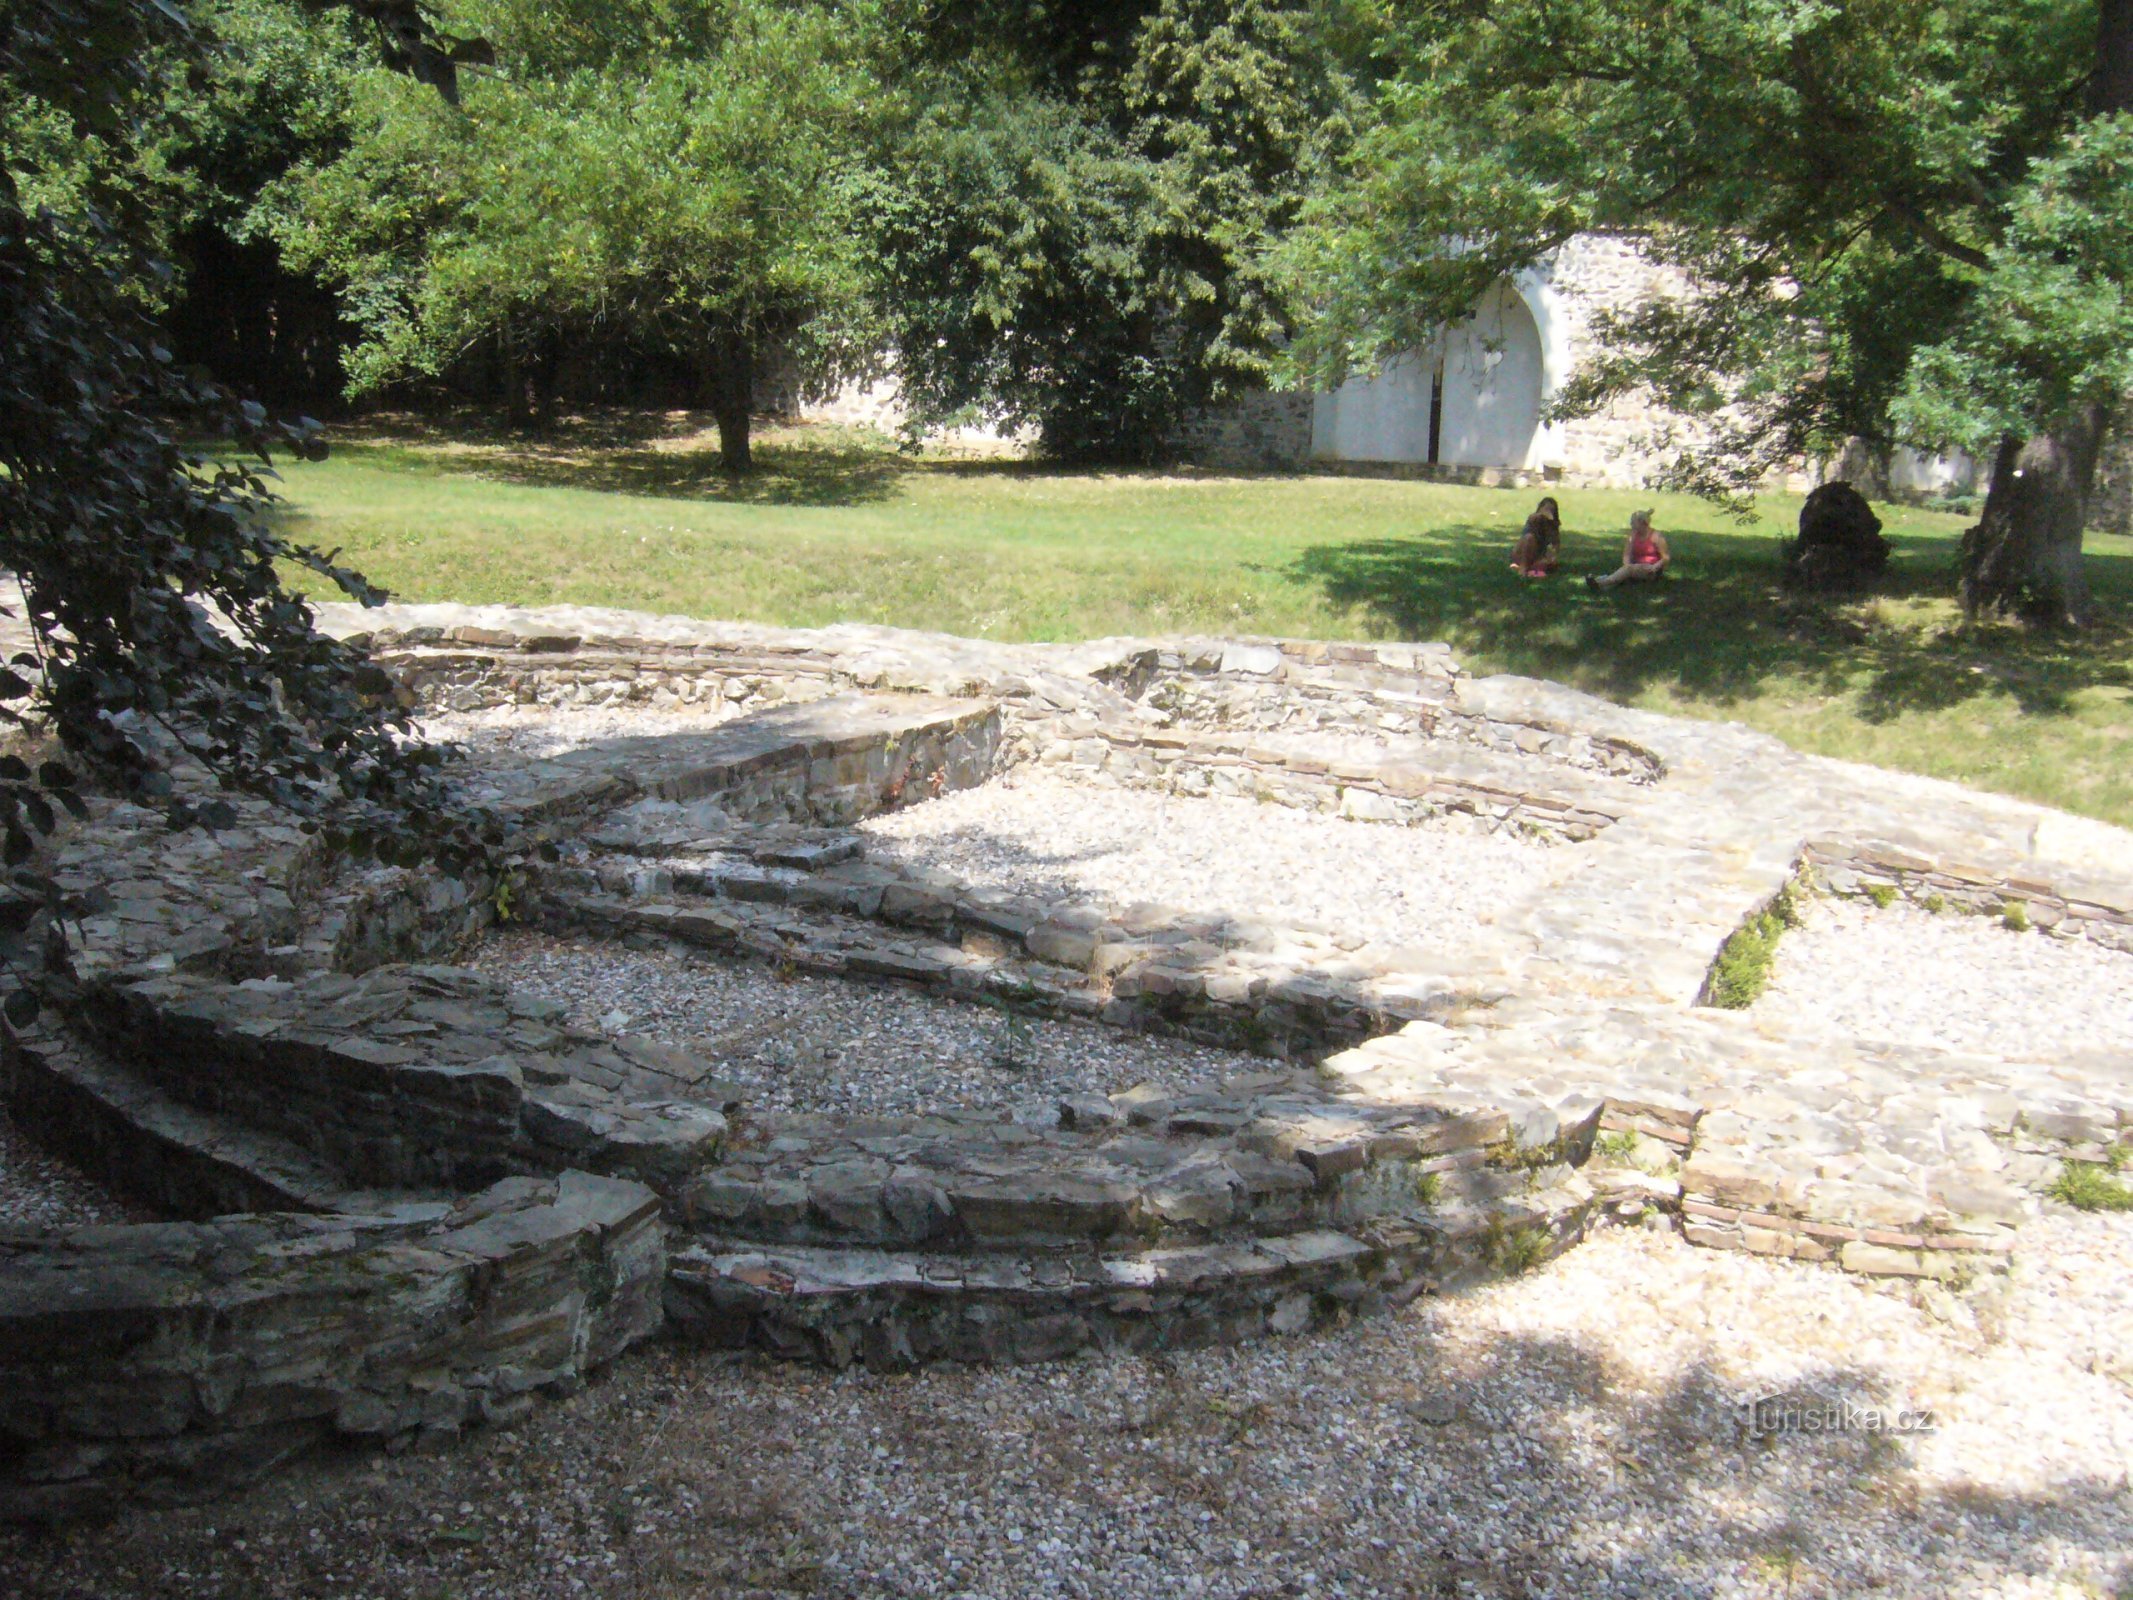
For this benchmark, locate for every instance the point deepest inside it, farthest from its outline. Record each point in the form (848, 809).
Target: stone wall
(154, 1362)
(1260, 431)
(419, 1079)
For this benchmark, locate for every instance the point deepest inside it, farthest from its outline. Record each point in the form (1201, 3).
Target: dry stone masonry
(404, 1196)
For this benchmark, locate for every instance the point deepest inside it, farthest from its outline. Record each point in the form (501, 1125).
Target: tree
(1850, 191)
(149, 576)
(684, 174)
(1072, 230)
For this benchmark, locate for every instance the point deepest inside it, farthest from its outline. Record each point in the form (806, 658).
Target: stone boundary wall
(1356, 786)
(240, 1339)
(162, 1361)
(2065, 908)
(1293, 684)
(400, 1080)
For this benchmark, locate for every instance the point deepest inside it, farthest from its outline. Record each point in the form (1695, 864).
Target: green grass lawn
(837, 528)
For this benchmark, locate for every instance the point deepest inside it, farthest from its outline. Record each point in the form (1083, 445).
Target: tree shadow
(662, 455)
(1718, 624)
(1380, 1458)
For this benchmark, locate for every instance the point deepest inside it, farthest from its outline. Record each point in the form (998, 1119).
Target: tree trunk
(510, 361)
(732, 396)
(2024, 556)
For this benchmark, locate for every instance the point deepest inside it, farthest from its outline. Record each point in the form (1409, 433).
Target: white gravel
(1962, 982)
(1035, 832)
(38, 1189)
(1571, 1434)
(830, 1044)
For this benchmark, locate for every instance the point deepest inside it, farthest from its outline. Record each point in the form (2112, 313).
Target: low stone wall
(1277, 992)
(156, 1362)
(1407, 783)
(408, 1078)
(2064, 905)
(833, 761)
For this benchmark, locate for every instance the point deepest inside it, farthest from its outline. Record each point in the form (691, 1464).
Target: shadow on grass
(1719, 625)
(656, 455)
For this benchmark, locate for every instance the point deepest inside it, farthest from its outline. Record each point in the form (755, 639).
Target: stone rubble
(1436, 1104)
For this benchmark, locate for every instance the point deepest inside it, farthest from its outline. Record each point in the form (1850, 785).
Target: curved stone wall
(247, 1033)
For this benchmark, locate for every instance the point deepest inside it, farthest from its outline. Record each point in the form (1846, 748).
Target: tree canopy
(1889, 221)
(133, 500)
(1074, 227)
(682, 176)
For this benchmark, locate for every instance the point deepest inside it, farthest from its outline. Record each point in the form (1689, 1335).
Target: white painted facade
(1480, 387)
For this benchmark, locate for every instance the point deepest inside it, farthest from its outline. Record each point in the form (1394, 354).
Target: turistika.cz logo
(1814, 1413)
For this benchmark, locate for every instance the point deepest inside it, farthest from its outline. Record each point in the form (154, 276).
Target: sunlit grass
(837, 527)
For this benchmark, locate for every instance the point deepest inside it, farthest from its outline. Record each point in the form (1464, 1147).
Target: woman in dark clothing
(1534, 556)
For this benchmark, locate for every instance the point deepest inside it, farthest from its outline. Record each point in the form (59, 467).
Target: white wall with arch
(1472, 397)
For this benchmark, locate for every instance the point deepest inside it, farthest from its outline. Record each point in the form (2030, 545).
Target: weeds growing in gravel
(1017, 1035)
(1882, 894)
(1617, 1147)
(2093, 1185)
(1742, 971)
(2014, 917)
(1515, 1251)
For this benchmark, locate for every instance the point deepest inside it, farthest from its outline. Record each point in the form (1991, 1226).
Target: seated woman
(1535, 554)
(1644, 555)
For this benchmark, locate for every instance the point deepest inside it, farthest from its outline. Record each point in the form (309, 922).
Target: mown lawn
(835, 527)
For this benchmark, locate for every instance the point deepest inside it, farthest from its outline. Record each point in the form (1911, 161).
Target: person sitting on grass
(1535, 554)
(1644, 555)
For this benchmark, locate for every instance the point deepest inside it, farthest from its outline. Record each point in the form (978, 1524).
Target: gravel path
(41, 1190)
(1963, 982)
(1038, 833)
(1571, 1434)
(825, 1044)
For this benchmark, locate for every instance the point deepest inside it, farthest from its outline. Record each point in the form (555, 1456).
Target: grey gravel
(1960, 981)
(1037, 832)
(1574, 1433)
(831, 1044)
(39, 1189)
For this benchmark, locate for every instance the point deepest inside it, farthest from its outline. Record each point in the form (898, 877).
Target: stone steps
(1283, 993)
(1181, 1220)
(136, 1136)
(827, 761)
(894, 1309)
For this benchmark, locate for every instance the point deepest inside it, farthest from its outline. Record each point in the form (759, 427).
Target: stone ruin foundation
(403, 1196)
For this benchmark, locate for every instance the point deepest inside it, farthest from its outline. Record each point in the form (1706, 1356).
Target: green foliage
(684, 175)
(1018, 1036)
(1073, 232)
(1742, 970)
(2049, 323)
(1514, 1250)
(1883, 895)
(2014, 917)
(1840, 188)
(1615, 1147)
(149, 574)
(2092, 1185)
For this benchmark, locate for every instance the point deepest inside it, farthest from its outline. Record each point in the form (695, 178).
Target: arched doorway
(1471, 398)
(1491, 385)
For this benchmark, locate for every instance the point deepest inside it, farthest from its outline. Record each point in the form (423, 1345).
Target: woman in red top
(1644, 555)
